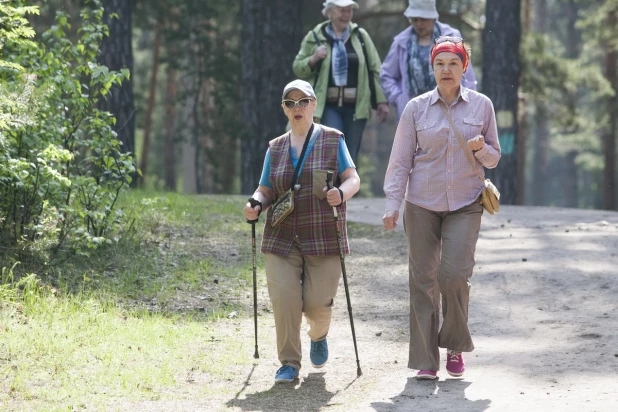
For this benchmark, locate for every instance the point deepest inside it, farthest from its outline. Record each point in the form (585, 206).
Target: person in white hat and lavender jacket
(406, 71)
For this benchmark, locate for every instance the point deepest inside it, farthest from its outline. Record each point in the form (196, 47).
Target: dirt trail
(543, 315)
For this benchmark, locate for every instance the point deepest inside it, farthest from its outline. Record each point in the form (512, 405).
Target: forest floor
(543, 315)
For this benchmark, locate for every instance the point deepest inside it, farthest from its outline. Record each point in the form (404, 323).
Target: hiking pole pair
(329, 184)
(254, 203)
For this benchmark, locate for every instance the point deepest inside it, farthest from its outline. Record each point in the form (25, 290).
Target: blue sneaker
(319, 353)
(286, 373)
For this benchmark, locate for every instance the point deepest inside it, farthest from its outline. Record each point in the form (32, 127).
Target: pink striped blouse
(428, 165)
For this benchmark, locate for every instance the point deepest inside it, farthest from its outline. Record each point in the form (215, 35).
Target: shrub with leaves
(62, 168)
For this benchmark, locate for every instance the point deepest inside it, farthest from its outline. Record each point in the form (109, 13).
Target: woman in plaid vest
(301, 250)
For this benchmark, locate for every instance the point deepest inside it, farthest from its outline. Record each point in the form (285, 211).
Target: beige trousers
(441, 249)
(298, 284)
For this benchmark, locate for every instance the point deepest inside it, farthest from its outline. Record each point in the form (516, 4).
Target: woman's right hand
(251, 213)
(477, 143)
(320, 54)
(390, 219)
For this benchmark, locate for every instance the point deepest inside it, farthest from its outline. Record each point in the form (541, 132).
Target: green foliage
(61, 167)
(593, 20)
(15, 31)
(550, 78)
(565, 87)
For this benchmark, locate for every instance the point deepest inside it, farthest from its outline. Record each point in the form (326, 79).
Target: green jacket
(363, 93)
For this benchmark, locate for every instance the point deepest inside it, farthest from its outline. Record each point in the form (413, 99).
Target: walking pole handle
(329, 180)
(329, 184)
(253, 204)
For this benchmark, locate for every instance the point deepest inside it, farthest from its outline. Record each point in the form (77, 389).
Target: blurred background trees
(206, 76)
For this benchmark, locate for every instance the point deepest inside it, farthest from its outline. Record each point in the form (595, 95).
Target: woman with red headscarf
(430, 169)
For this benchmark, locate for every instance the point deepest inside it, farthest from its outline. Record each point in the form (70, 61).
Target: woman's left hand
(383, 112)
(390, 219)
(477, 143)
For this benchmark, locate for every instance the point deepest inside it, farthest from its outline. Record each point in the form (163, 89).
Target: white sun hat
(341, 3)
(301, 85)
(425, 9)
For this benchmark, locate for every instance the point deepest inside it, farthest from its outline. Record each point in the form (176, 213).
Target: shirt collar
(463, 94)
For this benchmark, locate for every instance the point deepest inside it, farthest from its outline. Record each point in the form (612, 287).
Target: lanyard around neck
(301, 159)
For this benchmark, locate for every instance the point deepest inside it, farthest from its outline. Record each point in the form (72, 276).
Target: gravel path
(543, 316)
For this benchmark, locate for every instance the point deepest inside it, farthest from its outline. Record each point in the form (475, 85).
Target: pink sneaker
(455, 363)
(427, 375)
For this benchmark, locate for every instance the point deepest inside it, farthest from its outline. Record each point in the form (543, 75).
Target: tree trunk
(189, 143)
(541, 146)
(169, 154)
(541, 142)
(501, 38)
(152, 97)
(193, 116)
(609, 137)
(574, 34)
(520, 198)
(116, 54)
(570, 173)
(522, 120)
(271, 33)
(572, 52)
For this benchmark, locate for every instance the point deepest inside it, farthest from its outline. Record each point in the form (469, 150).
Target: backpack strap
(318, 66)
(372, 86)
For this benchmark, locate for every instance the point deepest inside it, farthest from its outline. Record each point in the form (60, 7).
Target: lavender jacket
(394, 72)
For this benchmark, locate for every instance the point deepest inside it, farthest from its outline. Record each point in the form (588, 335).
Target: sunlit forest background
(202, 99)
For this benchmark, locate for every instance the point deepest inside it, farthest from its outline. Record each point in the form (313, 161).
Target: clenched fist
(477, 143)
(320, 54)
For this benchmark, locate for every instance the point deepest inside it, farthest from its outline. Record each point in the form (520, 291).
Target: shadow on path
(309, 395)
(422, 394)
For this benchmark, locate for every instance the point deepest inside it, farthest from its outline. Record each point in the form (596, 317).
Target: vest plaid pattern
(312, 218)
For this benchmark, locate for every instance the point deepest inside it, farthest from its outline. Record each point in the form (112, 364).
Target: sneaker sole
(319, 366)
(456, 375)
(280, 380)
(426, 377)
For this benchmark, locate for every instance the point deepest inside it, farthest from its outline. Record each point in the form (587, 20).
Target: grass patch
(147, 319)
(135, 321)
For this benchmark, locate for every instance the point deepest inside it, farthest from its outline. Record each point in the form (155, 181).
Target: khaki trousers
(441, 249)
(298, 284)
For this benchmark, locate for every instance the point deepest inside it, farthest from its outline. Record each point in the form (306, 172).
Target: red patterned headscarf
(448, 46)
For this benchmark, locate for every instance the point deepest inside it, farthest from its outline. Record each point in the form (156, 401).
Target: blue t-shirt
(344, 160)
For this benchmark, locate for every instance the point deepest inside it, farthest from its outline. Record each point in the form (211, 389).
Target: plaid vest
(312, 219)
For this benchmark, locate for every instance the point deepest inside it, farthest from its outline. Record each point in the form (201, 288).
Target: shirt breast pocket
(429, 135)
(319, 182)
(473, 127)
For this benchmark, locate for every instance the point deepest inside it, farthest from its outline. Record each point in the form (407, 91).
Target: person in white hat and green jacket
(406, 72)
(343, 72)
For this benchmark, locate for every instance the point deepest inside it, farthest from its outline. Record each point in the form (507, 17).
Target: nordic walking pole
(253, 203)
(329, 184)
